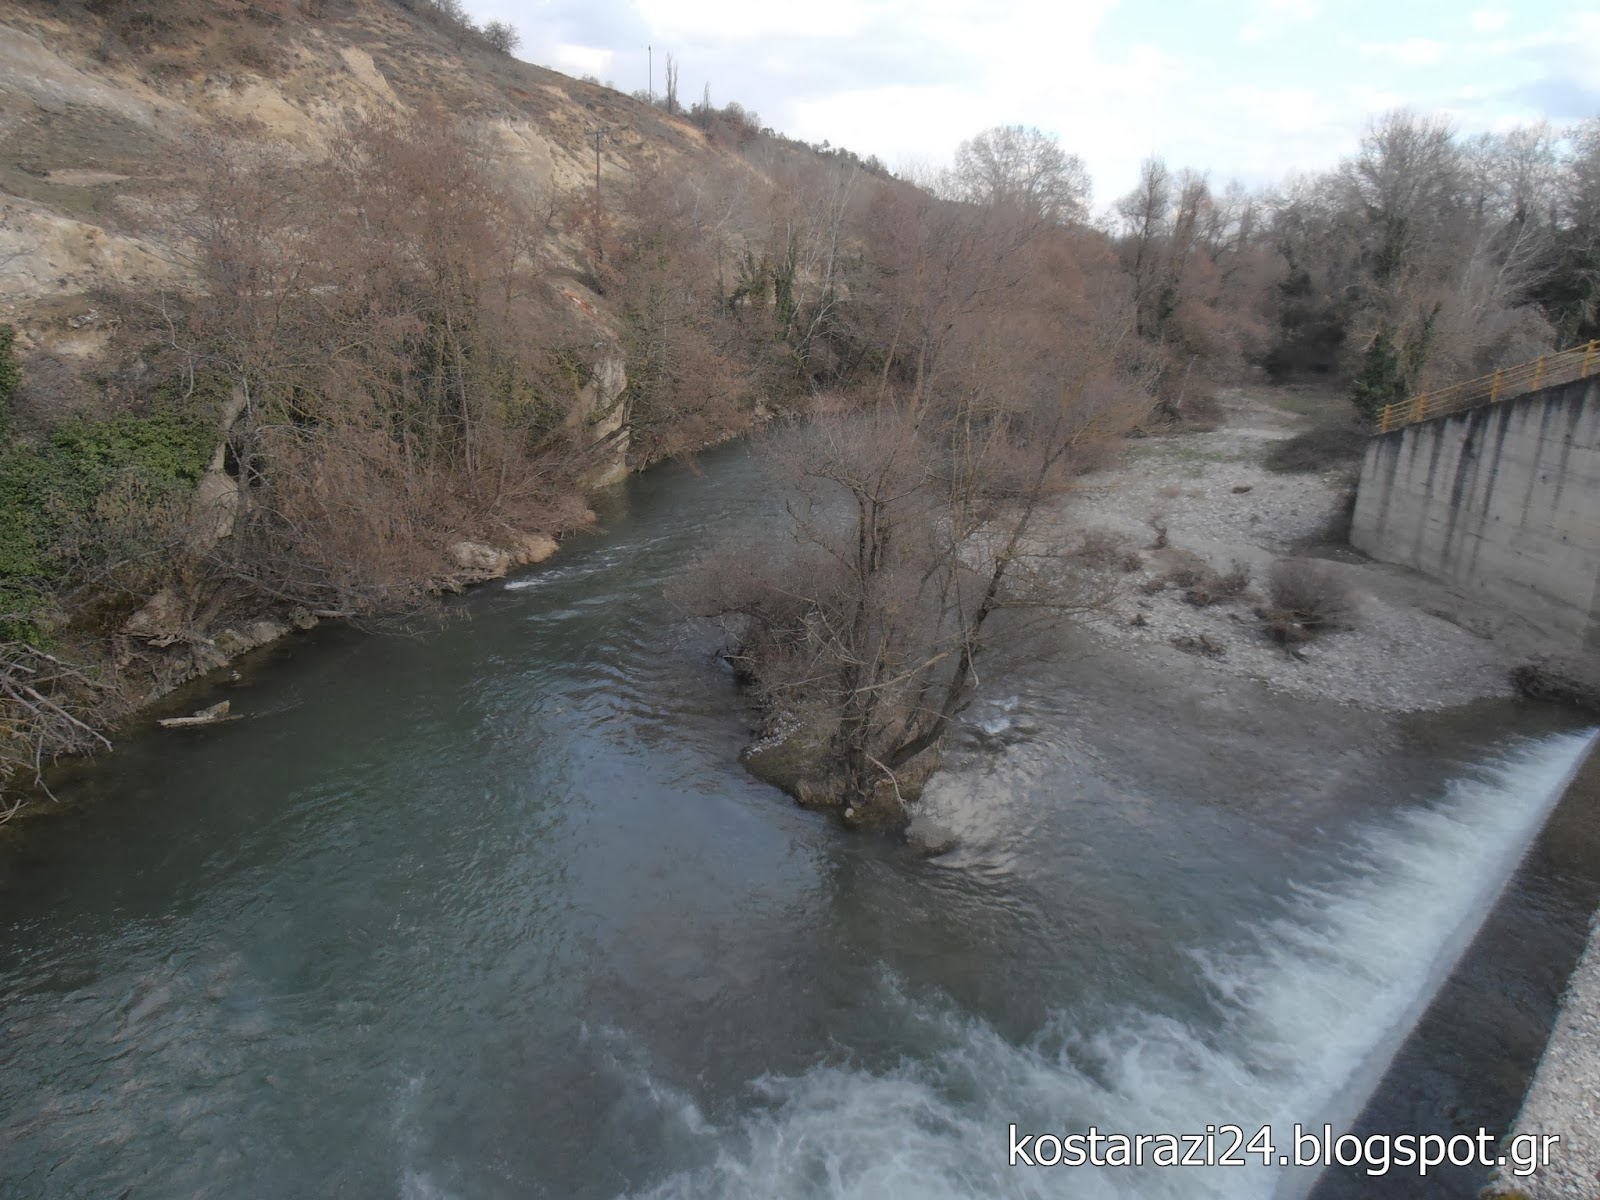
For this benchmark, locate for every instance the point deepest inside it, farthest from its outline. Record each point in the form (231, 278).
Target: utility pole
(599, 250)
(650, 60)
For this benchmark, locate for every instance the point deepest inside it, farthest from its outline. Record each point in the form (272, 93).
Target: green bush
(90, 494)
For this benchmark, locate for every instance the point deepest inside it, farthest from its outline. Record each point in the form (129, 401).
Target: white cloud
(909, 79)
(738, 20)
(585, 60)
(1275, 18)
(1413, 52)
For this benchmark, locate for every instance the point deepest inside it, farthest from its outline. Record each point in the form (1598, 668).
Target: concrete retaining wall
(1503, 499)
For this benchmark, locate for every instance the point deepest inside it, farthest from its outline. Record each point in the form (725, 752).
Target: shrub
(1185, 569)
(1213, 587)
(502, 36)
(10, 375)
(1306, 597)
(1102, 549)
(90, 497)
(1319, 449)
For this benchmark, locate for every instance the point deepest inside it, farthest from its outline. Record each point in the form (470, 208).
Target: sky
(1246, 89)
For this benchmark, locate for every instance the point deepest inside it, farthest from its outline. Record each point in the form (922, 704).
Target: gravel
(1565, 1096)
(1414, 644)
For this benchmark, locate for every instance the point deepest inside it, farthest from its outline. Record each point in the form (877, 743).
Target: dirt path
(1413, 643)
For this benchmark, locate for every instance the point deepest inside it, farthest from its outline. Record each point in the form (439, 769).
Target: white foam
(1309, 1009)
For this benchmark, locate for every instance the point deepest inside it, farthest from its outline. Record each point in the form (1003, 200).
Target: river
(492, 911)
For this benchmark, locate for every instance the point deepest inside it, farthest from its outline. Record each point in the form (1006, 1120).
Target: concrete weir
(1503, 499)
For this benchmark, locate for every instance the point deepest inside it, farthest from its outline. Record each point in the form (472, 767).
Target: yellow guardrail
(1578, 363)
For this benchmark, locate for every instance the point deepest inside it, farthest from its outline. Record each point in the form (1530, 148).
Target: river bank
(1413, 645)
(1563, 1098)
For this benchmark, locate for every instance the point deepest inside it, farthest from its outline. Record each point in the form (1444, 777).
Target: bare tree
(1017, 164)
(914, 525)
(672, 85)
(1145, 213)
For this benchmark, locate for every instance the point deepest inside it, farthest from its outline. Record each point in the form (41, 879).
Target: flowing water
(494, 913)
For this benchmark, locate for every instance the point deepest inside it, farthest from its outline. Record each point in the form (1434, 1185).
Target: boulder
(481, 559)
(215, 507)
(525, 549)
(232, 642)
(163, 616)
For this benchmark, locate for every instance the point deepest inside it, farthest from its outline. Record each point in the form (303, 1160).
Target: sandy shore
(1414, 643)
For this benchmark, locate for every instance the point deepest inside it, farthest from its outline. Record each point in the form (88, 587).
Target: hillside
(90, 135)
(320, 315)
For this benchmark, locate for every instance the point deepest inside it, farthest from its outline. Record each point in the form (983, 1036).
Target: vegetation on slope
(363, 330)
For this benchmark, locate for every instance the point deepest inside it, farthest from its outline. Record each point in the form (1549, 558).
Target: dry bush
(1103, 549)
(1306, 597)
(1185, 569)
(1319, 449)
(1213, 587)
(48, 708)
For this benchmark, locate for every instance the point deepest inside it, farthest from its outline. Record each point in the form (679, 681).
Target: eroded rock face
(480, 558)
(604, 414)
(216, 505)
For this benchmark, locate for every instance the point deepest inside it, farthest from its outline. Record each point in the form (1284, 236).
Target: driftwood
(214, 715)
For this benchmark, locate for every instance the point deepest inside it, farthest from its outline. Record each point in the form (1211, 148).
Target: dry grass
(1306, 597)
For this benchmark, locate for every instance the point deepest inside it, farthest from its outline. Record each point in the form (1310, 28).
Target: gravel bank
(1565, 1096)
(1414, 644)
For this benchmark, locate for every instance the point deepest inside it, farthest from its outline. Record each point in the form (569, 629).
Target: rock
(606, 475)
(1242, 488)
(163, 616)
(264, 631)
(477, 557)
(602, 414)
(215, 505)
(928, 838)
(230, 643)
(525, 549)
(302, 618)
